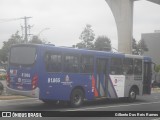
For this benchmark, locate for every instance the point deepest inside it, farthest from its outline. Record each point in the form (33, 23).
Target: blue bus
(74, 75)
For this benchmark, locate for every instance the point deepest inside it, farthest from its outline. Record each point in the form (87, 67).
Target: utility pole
(26, 29)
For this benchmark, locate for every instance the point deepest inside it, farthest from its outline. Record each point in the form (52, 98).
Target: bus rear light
(34, 81)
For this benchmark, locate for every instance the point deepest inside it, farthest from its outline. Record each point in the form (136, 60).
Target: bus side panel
(130, 82)
(118, 83)
(58, 86)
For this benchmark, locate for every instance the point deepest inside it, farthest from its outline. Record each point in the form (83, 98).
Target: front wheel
(132, 95)
(77, 98)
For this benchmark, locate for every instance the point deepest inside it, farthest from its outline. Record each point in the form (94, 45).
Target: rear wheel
(132, 95)
(77, 98)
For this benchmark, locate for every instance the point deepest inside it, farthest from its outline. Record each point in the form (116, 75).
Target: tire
(77, 98)
(132, 95)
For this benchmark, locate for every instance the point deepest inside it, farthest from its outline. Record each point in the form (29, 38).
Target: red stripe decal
(94, 87)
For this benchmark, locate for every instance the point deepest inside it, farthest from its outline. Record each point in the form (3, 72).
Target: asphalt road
(143, 103)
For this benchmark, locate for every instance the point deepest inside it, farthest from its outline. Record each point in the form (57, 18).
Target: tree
(142, 47)
(87, 36)
(139, 48)
(80, 45)
(15, 39)
(134, 47)
(102, 43)
(36, 40)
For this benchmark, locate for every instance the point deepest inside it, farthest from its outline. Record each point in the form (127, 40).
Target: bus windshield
(22, 55)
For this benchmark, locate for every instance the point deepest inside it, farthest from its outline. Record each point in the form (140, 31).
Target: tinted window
(102, 66)
(23, 55)
(137, 66)
(87, 64)
(128, 66)
(71, 63)
(116, 66)
(53, 62)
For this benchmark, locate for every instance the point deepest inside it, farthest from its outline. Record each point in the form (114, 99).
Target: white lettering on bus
(53, 80)
(27, 75)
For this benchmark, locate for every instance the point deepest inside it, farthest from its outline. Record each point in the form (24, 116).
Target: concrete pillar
(123, 13)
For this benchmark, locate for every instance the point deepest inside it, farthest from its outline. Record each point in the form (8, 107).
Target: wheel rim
(77, 99)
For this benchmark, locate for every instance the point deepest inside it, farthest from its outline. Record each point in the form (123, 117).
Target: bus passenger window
(71, 64)
(53, 62)
(86, 64)
(137, 66)
(116, 66)
(128, 66)
(101, 66)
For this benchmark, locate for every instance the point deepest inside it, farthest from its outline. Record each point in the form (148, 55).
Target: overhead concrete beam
(155, 1)
(123, 13)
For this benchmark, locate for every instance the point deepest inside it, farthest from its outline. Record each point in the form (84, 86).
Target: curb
(11, 97)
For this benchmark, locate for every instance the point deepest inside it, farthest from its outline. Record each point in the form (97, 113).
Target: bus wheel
(77, 98)
(132, 95)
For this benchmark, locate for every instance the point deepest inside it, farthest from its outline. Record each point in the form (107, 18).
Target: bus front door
(102, 77)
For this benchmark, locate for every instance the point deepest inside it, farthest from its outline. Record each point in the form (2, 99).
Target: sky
(61, 22)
